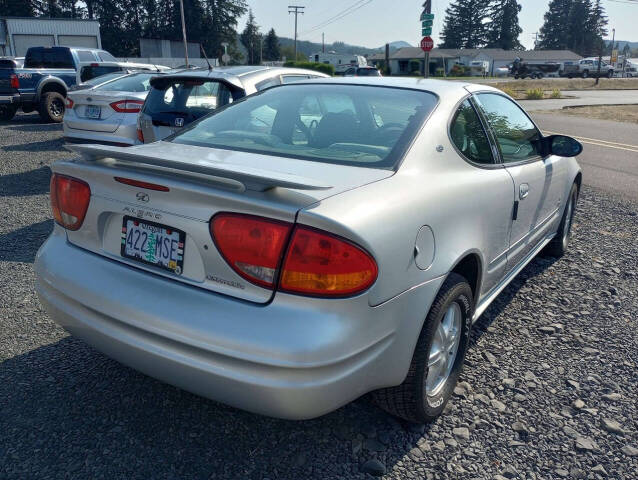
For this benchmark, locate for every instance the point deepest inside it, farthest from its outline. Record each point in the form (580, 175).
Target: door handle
(523, 191)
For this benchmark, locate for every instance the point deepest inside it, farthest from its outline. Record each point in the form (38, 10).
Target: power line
(347, 11)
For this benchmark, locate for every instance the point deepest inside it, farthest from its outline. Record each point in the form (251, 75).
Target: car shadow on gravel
(534, 268)
(54, 144)
(21, 245)
(32, 182)
(114, 422)
(37, 127)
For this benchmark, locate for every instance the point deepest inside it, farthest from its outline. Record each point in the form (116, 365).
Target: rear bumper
(10, 99)
(124, 135)
(294, 358)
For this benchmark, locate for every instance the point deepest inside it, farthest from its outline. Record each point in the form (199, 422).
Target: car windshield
(136, 82)
(367, 126)
(191, 98)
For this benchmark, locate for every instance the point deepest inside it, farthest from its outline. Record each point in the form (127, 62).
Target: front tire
(586, 74)
(7, 112)
(438, 357)
(52, 107)
(559, 244)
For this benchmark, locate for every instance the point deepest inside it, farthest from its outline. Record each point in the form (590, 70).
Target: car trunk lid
(201, 182)
(94, 111)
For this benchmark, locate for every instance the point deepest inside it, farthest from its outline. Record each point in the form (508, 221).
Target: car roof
(235, 75)
(439, 87)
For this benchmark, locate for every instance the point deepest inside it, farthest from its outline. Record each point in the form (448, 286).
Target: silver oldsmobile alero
(310, 243)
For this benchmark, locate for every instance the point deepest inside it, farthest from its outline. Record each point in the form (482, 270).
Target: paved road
(584, 97)
(610, 157)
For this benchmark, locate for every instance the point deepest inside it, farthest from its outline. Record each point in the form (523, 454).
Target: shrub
(534, 94)
(556, 93)
(415, 66)
(319, 67)
(439, 72)
(459, 71)
(509, 91)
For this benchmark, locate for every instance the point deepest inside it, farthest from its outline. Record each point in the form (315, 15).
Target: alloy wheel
(445, 346)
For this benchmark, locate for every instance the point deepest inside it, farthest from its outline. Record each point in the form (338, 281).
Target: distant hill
(308, 48)
(621, 43)
(397, 45)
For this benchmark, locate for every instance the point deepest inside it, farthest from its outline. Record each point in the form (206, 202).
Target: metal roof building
(17, 34)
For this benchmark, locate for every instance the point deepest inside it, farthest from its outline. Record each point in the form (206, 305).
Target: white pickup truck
(587, 68)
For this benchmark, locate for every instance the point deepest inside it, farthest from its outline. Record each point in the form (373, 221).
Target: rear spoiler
(234, 176)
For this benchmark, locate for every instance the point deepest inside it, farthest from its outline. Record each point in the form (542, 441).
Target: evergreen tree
(251, 39)
(220, 27)
(553, 33)
(16, 8)
(272, 51)
(465, 24)
(596, 27)
(503, 30)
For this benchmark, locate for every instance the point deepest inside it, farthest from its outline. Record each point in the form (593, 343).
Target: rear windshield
(366, 126)
(368, 72)
(89, 72)
(137, 82)
(45, 57)
(189, 98)
(104, 78)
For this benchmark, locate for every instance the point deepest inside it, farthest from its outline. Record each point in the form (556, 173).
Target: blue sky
(381, 21)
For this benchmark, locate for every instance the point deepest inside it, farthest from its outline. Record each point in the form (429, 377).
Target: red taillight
(252, 246)
(127, 106)
(69, 200)
(140, 184)
(140, 135)
(15, 83)
(318, 263)
(69, 103)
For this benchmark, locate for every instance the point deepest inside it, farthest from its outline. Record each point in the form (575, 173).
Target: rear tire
(422, 396)
(585, 74)
(559, 244)
(51, 107)
(7, 112)
(610, 74)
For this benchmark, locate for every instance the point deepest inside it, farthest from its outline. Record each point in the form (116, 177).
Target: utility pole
(296, 9)
(323, 43)
(181, 9)
(535, 38)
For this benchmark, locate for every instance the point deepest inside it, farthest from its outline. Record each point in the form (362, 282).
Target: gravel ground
(549, 391)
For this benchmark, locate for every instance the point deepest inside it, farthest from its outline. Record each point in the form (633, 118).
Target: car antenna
(210, 67)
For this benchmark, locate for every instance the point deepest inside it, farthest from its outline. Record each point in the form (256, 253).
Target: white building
(17, 34)
(338, 60)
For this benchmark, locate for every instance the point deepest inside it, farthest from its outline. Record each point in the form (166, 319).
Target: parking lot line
(601, 143)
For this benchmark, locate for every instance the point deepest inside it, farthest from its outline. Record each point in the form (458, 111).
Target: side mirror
(563, 146)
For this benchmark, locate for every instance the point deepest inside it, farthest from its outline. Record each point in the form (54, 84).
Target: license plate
(153, 244)
(92, 111)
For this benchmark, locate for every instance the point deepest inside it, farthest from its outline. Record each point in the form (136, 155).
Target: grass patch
(534, 94)
(573, 84)
(617, 113)
(508, 91)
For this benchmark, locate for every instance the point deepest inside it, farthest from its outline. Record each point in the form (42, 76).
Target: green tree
(220, 27)
(503, 30)
(16, 8)
(465, 24)
(272, 50)
(553, 33)
(251, 39)
(288, 52)
(596, 27)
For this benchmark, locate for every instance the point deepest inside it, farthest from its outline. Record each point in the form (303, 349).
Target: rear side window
(106, 56)
(329, 123)
(85, 56)
(468, 135)
(517, 137)
(89, 72)
(56, 57)
(269, 82)
(190, 98)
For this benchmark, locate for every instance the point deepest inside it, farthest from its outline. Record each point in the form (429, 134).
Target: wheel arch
(52, 85)
(470, 267)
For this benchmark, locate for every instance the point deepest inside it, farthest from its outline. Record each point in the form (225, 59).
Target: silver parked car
(181, 98)
(108, 112)
(309, 244)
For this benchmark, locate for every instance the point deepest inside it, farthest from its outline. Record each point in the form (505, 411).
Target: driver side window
(517, 137)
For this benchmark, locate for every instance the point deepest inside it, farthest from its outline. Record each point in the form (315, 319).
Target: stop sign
(427, 44)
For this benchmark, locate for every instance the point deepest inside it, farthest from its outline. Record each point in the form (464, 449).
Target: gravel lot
(550, 389)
